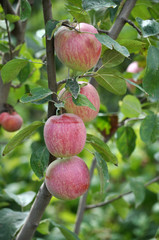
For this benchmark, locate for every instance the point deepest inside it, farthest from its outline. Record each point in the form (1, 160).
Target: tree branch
(120, 196)
(43, 197)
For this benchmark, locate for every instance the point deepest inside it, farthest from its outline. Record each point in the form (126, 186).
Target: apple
(11, 121)
(64, 135)
(67, 178)
(78, 50)
(133, 68)
(85, 113)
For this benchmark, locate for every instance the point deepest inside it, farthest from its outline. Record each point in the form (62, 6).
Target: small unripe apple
(78, 50)
(133, 68)
(11, 121)
(64, 135)
(85, 113)
(67, 178)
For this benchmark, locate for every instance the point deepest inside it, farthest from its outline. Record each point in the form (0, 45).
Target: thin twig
(133, 25)
(119, 196)
(9, 39)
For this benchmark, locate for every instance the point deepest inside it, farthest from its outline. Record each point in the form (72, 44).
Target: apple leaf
(73, 87)
(25, 10)
(136, 85)
(39, 161)
(148, 27)
(97, 5)
(111, 80)
(10, 222)
(21, 136)
(66, 232)
(126, 141)
(102, 148)
(157, 235)
(112, 44)
(11, 69)
(122, 207)
(112, 58)
(22, 199)
(131, 45)
(131, 106)
(51, 27)
(12, 18)
(150, 81)
(44, 226)
(102, 171)
(154, 187)
(149, 130)
(82, 100)
(36, 95)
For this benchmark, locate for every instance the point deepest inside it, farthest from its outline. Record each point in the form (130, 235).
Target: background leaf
(102, 148)
(96, 5)
(131, 106)
(22, 199)
(138, 190)
(10, 222)
(21, 136)
(126, 141)
(11, 69)
(25, 10)
(112, 58)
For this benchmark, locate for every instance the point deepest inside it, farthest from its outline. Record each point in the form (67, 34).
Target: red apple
(11, 121)
(67, 178)
(85, 113)
(78, 50)
(64, 135)
(133, 68)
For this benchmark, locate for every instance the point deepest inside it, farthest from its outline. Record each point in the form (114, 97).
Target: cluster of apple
(11, 121)
(68, 176)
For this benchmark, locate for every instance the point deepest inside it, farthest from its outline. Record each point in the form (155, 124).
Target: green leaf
(36, 95)
(43, 227)
(138, 190)
(112, 58)
(97, 5)
(149, 130)
(131, 45)
(122, 207)
(111, 80)
(39, 161)
(148, 27)
(157, 234)
(25, 10)
(24, 73)
(73, 87)
(150, 81)
(51, 26)
(22, 199)
(102, 148)
(126, 141)
(66, 232)
(131, 106)
(4, 47)
(112, 44)
(12, 18)
(136, 85)
(11, 69)
(21, 136)
(102, 171)
(10, 222)
(154, 187)
(82, 100)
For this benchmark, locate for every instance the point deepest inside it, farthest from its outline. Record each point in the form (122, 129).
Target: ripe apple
(67, 178)
(78, 50)
(85, 113)
(133, 68)
(11, 121)
(64, 135)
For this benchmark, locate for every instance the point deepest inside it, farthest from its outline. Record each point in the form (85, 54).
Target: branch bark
(43, 197)
(120, 196)
(113, 33)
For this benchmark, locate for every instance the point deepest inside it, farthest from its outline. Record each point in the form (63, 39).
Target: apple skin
(64, 135)
(79, 51)
(11, 122)
(85, 113)
(67, 178)
(133, 68)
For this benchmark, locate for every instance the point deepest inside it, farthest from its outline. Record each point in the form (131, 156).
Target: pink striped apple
(85, 113)
(67, 178)
(64, 135)
(11, 121)
(78, 50)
